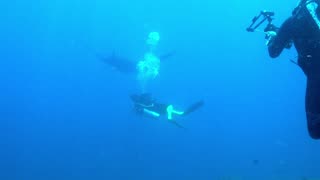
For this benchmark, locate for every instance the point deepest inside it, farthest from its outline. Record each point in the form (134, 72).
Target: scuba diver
(145, 104)
(303, 30)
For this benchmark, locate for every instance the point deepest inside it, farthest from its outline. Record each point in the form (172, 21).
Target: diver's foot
(194, 107)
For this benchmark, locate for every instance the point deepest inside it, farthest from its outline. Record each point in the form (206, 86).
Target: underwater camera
(257, 21)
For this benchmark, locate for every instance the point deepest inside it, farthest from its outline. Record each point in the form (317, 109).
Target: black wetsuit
(145, 101)
(305, 34)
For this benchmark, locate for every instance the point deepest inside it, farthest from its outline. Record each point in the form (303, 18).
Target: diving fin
(194, 107)
(177, 124)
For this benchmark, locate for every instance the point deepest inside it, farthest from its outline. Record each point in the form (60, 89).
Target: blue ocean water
(67, 115)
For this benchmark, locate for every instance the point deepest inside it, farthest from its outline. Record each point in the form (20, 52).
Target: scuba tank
(310, 7)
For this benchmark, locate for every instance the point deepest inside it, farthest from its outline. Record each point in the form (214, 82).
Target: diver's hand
(271, 33)
(270, 36)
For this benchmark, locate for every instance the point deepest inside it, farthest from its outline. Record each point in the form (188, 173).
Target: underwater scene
(160, 90)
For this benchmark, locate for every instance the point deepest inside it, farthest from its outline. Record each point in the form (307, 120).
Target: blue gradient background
(66, 115)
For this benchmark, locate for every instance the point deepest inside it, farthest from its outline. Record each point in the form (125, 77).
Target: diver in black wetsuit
(303, 29)
(145, 104)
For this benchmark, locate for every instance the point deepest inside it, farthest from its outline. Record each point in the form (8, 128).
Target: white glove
(270, 35)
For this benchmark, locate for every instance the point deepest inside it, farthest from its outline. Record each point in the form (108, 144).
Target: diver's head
(153, 38)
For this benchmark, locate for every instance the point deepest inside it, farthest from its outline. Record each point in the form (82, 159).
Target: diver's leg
(190, 109)
(177, 112)
(312, 105)
(171, 111)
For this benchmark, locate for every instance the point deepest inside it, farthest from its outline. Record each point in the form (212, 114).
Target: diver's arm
(282, 39)
(151, 113)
